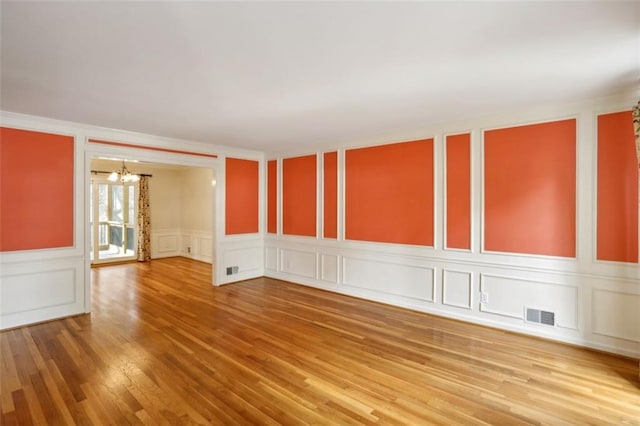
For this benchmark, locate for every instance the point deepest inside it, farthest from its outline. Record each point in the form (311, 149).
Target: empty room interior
(319, 213)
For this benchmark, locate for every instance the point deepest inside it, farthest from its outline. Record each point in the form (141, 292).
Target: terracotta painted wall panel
(272, 196)
(36, 190)
(530, 189)
(241, 207)
(389, 193)
(617, 229)
(331, 195)
(299, 196)
(459, 191)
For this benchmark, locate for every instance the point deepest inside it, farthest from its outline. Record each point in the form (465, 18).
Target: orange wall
(530, 189)
(241, 208)
(272, 196)
(617, 229)
(299, 196)
(330, 194)
(459, 191)
(36, 190)
(389, 193)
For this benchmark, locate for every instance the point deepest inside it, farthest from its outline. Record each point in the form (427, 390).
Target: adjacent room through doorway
(180, 211)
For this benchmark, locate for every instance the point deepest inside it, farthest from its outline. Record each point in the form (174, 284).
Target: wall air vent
(231, 270)
(540, 317)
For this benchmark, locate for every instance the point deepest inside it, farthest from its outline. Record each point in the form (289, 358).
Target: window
(113, 220)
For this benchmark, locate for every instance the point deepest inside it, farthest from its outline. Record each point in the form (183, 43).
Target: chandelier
(123, 175)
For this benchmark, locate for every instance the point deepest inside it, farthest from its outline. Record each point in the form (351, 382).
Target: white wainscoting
(329, 267)
(509, 295)
(271, 259)
(194, 244)
(40, 291)
(186, 243)
(616, 314)
(165, 243)
(244, 254)
(457, 288)
(412, 281)
(298, 262)
(197, 245)
(597, 312)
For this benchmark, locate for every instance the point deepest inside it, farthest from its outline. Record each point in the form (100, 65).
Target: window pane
(116, 203)
(132, 204)
(91, 217)
(103, 202)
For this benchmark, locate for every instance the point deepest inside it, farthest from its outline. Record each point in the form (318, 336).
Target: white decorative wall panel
(298, 262)
(457, 288)
(329, 268)
(271, 258)
(416, 282)
(616, 314)
(167, 243)
(205, 247)
(244, 254)
(508, 296)
(32, 293)
(246, 259)
(185, 243)
(196, 245)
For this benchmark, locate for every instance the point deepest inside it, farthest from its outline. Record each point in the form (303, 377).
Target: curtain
(144, 221)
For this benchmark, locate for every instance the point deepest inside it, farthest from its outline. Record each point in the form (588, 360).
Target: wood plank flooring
(163, 346)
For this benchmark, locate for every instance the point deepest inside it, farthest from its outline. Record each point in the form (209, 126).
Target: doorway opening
(180, 210)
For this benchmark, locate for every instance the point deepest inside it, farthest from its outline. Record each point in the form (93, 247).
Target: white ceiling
(277, 76)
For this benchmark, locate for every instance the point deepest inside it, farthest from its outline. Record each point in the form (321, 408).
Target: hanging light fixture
(123, 175)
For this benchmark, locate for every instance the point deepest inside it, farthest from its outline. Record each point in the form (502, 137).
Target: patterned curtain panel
(144, 221)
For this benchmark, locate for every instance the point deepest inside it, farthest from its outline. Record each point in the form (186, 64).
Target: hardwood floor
(163, 346)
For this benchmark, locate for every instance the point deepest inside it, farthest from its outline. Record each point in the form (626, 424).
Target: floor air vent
(541, 317)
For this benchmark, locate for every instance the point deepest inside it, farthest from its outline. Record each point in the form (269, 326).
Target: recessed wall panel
(617, 229)
(299, 262)
(271, 262)
(530, 189)
(411, 281)
(299, 196)
(616, 314)
(36, 190)
(458, 191)
(508, 296)
(389, 193)
(41, 290)
(330, 187)
(456, 289)
(167, 243)
(241, 196)
(329, 268)
(272, 196)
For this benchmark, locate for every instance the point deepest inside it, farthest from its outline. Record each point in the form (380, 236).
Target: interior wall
(164, 191)
(41, 249)
(546, 189)
(36, 173)
(242, 246)
(42, 283)
(197, 214)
